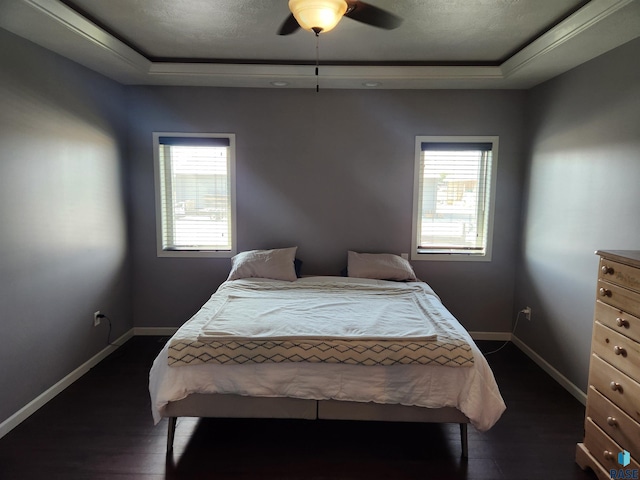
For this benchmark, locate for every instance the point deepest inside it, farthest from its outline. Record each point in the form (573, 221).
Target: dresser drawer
(619, 297)
(617, 320)
(620, 274)
(614, 422)
(586, 461)
(618, 350)
(616, 386)
(603, 449)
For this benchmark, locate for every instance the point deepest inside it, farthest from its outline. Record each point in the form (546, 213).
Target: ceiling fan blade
(289, 26)
(372, 15)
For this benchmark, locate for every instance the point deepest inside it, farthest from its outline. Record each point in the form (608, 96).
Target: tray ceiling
(440, 43)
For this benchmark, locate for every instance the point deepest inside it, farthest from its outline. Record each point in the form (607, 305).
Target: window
(454, 190)
(195, 194)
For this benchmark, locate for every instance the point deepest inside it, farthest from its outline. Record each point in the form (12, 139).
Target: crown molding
(599, 26)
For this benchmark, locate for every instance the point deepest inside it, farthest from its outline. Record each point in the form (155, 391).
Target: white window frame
(161, 251)
(489, 213)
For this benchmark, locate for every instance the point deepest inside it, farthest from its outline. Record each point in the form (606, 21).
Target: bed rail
(236, 406)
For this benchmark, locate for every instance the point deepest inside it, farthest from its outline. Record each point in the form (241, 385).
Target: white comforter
(317, 314)
(472, 390)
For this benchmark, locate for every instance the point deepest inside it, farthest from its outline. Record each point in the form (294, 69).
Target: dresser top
(629, 257)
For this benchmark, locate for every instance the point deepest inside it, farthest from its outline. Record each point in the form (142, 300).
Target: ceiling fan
(323, 15)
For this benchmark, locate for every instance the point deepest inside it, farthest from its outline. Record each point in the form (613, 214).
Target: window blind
(195, 193)
(453, 197)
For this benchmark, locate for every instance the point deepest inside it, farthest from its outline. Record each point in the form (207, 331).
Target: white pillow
(277, 264)
(379, 266)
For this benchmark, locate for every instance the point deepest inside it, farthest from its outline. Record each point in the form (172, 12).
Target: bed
(324, 347)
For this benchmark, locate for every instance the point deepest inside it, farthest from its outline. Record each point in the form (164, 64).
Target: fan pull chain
(317, 60)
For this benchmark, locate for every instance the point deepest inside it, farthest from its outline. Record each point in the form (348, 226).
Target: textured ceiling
(433, 31)
(234, 43)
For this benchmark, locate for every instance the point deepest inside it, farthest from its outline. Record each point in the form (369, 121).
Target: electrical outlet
(96, 318)
(527, 313)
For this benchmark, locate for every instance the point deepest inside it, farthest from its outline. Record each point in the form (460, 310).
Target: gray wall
(328, 172)
(582, 194)
(63, 240)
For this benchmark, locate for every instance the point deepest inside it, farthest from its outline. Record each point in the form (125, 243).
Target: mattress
(471, 389)
(322, 320)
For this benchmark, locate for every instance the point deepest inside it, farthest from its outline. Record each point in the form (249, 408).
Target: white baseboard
(155, 331)
(549, 369)
(538, 360)
(26, 411)
(500, 336)
(29, 409)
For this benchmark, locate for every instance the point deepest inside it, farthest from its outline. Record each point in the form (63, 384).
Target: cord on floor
(515, 325)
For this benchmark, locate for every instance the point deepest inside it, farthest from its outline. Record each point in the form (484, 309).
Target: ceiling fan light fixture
(318, 15)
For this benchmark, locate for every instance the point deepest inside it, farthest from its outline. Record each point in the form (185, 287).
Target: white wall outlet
(527, 312)
(96, 318)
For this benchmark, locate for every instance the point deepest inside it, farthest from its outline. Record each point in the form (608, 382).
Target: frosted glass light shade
(320, 15)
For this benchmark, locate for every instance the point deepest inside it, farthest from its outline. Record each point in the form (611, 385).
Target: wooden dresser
(612, 422)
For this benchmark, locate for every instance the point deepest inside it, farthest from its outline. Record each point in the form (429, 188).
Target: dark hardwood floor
(101, 428)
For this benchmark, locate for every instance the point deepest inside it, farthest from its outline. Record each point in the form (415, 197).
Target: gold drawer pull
(605, 292)
(608, 455)
(616, 387)
(612, 422)
(622, 323)
(606, 270)
(619, 351)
